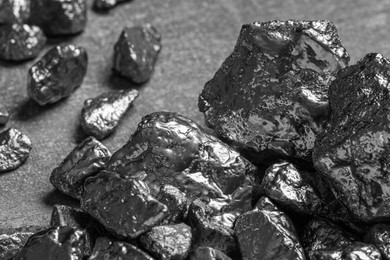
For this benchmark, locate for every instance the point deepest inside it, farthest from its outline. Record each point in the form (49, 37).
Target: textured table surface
(197, 36)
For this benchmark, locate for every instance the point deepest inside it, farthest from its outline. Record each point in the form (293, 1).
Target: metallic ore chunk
(86, 160)
(176, 201)
(170, 242)
(4, 115)
(352, 154)
(101, 115)
(54, 244)
(106, 249)
(168, 148)
(331, 208)
(361, 251)
(10, 244)
(208, 232)
(136, 51)
(63, 215)
(123, 206)
(324, 235)
(105, 5)
(207, 253)
(288, 187)
(336, 213)
(327, 255)
(14, 149)
(267, 233)
(20, 42)
(59, 17)
(379, 235)
(269, 98)
(14, 11)
(60, 71)
(357, 250)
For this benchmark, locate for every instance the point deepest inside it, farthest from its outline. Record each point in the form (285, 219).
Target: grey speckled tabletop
(197, 36)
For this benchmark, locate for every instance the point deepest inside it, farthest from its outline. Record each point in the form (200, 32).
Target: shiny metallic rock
(269, 98)
(207, 253)
(176, 201)
(336, 213)
(107, 249)
(63, 215)
(102, 114)
(59, 17)
(208, 232)
(10, 244)
(105, 5)
(361, 251)
(20, 42)
(267, 233)
(355, 251)
(327, 255)
(352, 154)
(14, 149)
(57, 74)
(14, 11)
(168, 148)
(168, 242)
(323, 235)
(123, 206)
(86, 160)
(136, 51)
(379, 235)
(331, 209)
(4, 115)
(54, 244)
(290, 189)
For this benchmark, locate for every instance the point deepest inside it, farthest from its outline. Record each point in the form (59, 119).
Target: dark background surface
(197, 36)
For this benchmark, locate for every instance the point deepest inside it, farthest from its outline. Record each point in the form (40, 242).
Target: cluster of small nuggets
(297, 104)
(174, 191)
(62, 69)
